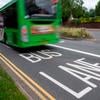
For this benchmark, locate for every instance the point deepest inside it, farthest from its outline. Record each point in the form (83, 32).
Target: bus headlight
(41, 29)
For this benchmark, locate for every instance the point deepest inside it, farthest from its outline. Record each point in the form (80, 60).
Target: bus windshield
(41, 8)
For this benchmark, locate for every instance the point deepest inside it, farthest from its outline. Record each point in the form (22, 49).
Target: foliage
(90, 19)
(92, 13)
(75, 9)
(97, 10)
(76, 21)
(89, 13)
(72, 8)
(77, 33)
(65, 10)
(78, 11)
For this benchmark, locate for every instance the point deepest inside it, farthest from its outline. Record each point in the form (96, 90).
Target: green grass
(76, 33)
(8, 89)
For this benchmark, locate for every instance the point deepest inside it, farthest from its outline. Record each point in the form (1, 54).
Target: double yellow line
(41, 93)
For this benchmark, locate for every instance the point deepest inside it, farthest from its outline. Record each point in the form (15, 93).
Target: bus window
(10, 17)
(41, 8)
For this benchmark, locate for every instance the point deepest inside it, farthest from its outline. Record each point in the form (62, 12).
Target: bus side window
(10, 17)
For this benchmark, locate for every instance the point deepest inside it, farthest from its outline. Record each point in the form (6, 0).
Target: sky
(90, 3)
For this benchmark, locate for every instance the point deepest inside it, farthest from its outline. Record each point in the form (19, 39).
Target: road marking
(75, 50)
(38, 89)
(24, 80)
(77, 95)
(62, 41)
(77, 74)
(94, 67)
(83, 71)
(82, 68)
(40, 55)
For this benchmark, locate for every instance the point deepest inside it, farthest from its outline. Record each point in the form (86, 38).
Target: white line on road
(75, 50)
(77, 95)
(62, 41)
(73, 72)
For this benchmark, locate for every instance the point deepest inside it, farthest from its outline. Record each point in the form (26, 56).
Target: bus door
(8, 20)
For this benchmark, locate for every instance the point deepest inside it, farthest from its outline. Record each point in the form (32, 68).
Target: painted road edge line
(25, 81)
(40, 92)
(75, 50)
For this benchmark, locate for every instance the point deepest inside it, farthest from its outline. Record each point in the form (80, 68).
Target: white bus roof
(5, 3)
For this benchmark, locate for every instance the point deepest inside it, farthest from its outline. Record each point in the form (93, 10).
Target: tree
(97, 9)
(72, 8)
(78, 11)
(85, 13)
(65, 9)
(91, 13)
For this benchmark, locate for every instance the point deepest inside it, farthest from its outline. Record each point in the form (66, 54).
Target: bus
(27, 23)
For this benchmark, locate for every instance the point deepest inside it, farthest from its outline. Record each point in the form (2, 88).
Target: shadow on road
(32, 49)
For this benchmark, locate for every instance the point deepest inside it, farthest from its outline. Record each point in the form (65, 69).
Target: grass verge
(8, 89)
(75, 33)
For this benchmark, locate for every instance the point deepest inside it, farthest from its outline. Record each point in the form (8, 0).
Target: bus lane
(65, 74)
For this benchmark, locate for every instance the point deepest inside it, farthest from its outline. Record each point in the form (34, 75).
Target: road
(95, 33)
(69, 70)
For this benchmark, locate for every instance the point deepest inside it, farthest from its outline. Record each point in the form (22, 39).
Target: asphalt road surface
(69, 70)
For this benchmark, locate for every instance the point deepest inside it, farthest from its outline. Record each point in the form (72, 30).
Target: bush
(78, 33)
(84, 20)
(90, 19)
(76, 21)
(97, 19)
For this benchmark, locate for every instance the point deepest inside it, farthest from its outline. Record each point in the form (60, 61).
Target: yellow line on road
(40, 92)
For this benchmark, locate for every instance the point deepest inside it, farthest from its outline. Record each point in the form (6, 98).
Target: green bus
(26, 23)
